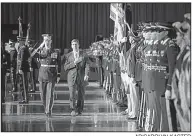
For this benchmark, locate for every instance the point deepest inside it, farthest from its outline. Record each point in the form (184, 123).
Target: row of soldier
(21, 60)
(19, 67)
(142, 79)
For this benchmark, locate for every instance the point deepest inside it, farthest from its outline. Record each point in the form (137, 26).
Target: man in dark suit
(160, 58)
(78, 69)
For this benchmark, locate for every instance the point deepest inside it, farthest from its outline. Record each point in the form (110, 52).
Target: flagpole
(125, 31)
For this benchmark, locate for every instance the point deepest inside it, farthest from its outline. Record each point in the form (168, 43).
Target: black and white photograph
(96, 67)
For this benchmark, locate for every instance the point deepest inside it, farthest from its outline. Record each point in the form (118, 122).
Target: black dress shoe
(79, 113)
(23, 102)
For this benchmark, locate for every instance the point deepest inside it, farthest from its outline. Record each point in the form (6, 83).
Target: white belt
(152, 67)
(44, 65)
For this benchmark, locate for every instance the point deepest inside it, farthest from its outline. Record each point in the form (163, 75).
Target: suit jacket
(76, 72)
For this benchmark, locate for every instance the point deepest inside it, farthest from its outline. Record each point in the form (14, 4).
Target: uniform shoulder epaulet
(168, 42)
(165, 42)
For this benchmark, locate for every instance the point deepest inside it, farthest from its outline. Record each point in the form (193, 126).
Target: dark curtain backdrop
(64, 20)
(161, 12)
(84, 20)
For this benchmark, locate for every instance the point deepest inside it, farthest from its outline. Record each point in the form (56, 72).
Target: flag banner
(117, 14)
(116, 10)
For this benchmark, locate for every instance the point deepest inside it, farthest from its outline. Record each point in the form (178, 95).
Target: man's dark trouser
(47, 94)
(24, 85)
(80, 99)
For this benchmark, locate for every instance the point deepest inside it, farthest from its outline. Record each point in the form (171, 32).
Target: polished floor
(100, 114)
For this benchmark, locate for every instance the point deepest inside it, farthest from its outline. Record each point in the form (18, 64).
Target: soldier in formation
(5, 67)
(23, 68)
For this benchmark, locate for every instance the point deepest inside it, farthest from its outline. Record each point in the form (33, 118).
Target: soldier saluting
(49, 72)
(13, 61)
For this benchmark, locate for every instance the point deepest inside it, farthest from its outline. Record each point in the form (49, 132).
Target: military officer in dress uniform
(49, 72)
(131, 63)
(146, 32)
(160, 60)
(23, 68)
(5, 66)
(116, 75)
(99, 63)
(13, 61)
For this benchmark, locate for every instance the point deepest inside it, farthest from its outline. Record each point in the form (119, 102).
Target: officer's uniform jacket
(105, 62)
(23, 59)
(131, 60)
(115, 63)
(159, 59)
(110, 62)
(142, 61)
(78, 71)
(13, 57)
(50, 65)
(138, 63)
(5, 61)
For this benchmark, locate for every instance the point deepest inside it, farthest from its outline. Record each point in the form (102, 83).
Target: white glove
(168, 94)
(58, 79)
(86, 78)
